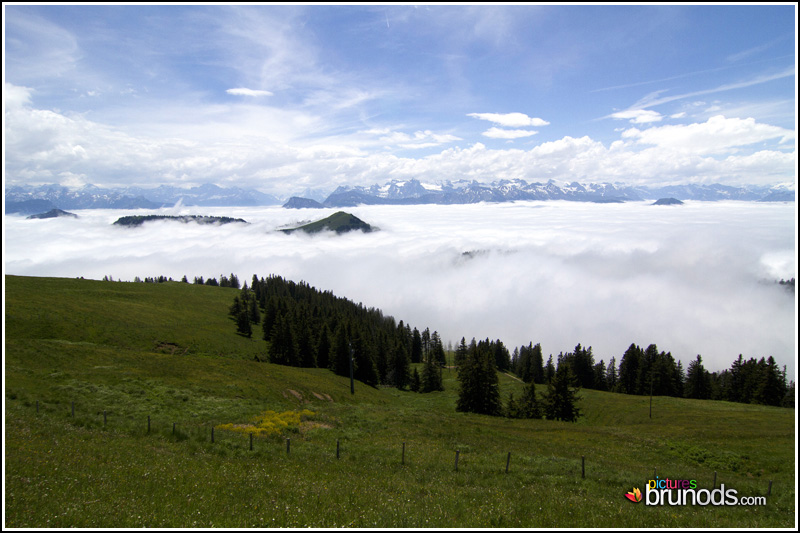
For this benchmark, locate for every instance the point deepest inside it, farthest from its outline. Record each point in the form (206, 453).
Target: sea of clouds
(693, 279)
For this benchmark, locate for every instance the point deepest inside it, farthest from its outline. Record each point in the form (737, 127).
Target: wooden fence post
(337, 448)
(508, 460)
(288, 444)
(212, 434)
(583, 467)
(251, 442)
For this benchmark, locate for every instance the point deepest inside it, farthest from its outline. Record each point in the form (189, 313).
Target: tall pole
(352, 386)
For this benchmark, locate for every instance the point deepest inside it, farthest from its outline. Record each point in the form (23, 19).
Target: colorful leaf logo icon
(635, 496)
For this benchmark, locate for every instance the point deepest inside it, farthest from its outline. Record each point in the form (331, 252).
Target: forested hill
(308, 328)
(138, 220)
(339, 222)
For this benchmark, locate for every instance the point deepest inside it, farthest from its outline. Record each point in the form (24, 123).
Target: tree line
(649, 371)
(305, 327)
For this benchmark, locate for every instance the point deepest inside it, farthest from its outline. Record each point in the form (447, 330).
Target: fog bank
(693, 279)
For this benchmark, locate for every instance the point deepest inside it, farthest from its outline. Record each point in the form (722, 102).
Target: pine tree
(461, 352)
(415, 381)
(698, 383)
(611, 375)
(416, 347)
(340, 353)
(512, 408)
(283, 346)
(431, 376)
(243, 324)
(324, 348)
(562, 395)
(399, 366)
(771, 386)
(479, 389)
(549, 369)
(529, 405)
(629, 370)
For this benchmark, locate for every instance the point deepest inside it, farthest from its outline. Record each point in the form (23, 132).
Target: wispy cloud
(653, 99)
(498, 133)
(510, 120)
(639, 116)
(241, 91)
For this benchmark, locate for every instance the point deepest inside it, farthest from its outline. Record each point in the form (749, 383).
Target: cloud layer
(697, 279)
(262, 147)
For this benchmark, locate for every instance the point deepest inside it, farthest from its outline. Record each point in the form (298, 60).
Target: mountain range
(43, 198)
(464, 192)
(29, 200)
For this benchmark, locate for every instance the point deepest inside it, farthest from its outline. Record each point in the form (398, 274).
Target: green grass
(169, 351)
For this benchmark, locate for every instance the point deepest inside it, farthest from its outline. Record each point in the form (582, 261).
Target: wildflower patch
(271, 423)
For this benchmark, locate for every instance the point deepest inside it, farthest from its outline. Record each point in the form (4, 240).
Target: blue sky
(285, 98)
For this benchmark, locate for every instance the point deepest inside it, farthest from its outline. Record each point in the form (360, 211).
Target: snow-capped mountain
(38, 199)
(464, 192)
(29, 200)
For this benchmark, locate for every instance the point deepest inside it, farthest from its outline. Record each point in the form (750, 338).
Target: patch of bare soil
(324, 397)
(170, 348)
(293, 393)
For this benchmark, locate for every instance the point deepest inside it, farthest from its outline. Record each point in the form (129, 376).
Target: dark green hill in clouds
(138, 220)
(54, 213)
(667, 201)
(339, 222)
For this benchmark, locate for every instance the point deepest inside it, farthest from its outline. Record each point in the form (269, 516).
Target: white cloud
(497, 133)
(274, 150)
(639, 116)
(15, 96)
(717, 135)
(510, 120)
(420, 139)
(241, 91)
(688, 279)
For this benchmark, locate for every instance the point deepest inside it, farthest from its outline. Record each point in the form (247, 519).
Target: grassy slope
(169, 351)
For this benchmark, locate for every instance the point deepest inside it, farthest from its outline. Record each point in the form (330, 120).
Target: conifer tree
(479, 389)
(461, 352)
(399, 366)
(416, 347)
(340, 352)
(431, 380)
(562, 395)
(415, 381)
(698, 383)
(324, 348)
(529, 405)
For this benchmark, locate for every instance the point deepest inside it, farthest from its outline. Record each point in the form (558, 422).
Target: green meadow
(149, 370)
